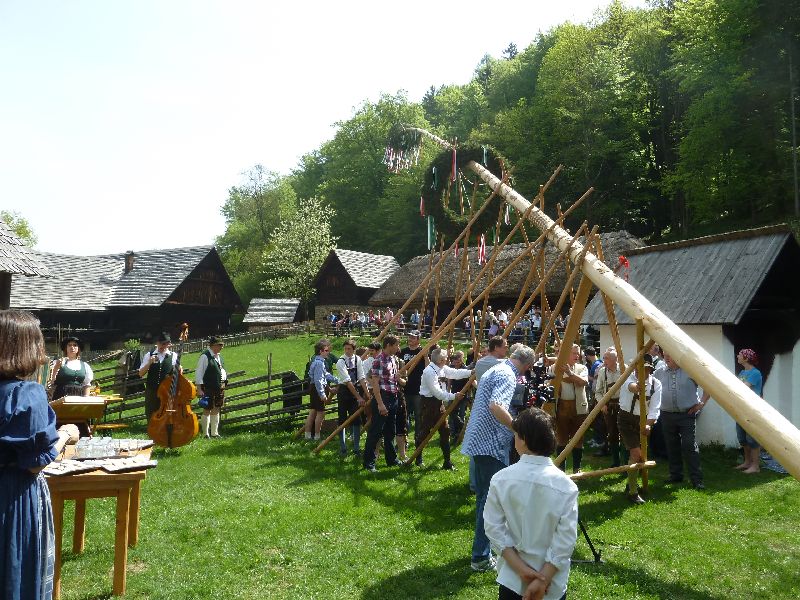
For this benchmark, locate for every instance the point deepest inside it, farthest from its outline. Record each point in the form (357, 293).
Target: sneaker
(370, 468)
(448, 466)
(481, 566)
(698, 485)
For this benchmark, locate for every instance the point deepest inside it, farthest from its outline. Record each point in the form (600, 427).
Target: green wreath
(449, 222)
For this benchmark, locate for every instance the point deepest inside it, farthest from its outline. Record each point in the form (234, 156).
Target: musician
(156, 365)
(71, 375)
(211, 378)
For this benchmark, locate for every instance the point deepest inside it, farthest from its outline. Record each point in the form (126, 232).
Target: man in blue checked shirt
(489, 437)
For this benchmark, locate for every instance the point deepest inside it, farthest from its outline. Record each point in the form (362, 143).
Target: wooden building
(728, 292)
(111, 298)
(396, 290)
(263, 313)
(16, 259)
(348, 279)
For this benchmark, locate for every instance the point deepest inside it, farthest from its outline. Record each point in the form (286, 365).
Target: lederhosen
(611, 416)
(212, 381)
(347, 402)
(155, 375)
(630, 424)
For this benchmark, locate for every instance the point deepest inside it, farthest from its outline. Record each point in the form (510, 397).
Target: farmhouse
(110, 298)
(265, 312)
(16, 259)
(728, 292)
(348, 279)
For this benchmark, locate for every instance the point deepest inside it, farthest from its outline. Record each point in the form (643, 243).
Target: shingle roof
(702, 281)
(97, 282)
(367, 270)
(272, 310)
(16, 257)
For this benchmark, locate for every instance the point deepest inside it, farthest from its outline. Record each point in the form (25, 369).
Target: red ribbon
(624, 264)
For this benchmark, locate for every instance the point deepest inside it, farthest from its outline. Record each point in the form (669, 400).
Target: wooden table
(126, 487)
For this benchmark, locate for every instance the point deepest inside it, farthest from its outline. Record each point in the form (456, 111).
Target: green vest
(159, 371)
(212, 378)
(69, 378)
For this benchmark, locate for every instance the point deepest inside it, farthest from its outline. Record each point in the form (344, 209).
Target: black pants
(507, 594)
(382, 425)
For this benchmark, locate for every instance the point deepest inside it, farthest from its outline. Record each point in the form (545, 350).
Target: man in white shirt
(629, 422)
(211, 379)
(349, 372)
(435, 397)
(156, 365)
(573, 406)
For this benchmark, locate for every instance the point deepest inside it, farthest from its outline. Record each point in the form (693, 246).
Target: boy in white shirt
(531, 515)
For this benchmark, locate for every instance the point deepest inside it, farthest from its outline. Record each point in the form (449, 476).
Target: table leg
(121, 540)
(57, 501)
(79, 533)
(133, 522)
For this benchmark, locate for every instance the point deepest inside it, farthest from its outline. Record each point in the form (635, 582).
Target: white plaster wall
(782, 388)
(713, 424)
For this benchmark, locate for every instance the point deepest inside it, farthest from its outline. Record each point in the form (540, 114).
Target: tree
(510, 51)
(20, 226)
(298, 247)
(252, 212)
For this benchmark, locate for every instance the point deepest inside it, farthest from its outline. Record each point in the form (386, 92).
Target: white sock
(308, 435)
(204, 421)
(214, 424)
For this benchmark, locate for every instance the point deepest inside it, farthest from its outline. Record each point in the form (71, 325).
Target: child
(531, 515)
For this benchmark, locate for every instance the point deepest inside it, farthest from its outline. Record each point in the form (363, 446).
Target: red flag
(482, 250)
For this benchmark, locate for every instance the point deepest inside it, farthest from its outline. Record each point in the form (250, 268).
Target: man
(319, 377)
(413, 380)
(679, 409)
(489, 436)
(385, 396)
(599, 425)
(435, 397)
(211, 378)
(156, 365)
(607, 376)
(629, 421)
(572, 406)
(498, 349)
(350, 371)
(458, 416)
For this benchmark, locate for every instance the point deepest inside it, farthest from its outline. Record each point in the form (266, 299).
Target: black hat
(648, 362)
(214, 340)
(66, 341)
(163, 337)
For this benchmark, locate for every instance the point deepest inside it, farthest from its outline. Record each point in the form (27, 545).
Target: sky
(123, 124)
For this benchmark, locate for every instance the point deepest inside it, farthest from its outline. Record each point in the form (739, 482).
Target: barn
(16, 259)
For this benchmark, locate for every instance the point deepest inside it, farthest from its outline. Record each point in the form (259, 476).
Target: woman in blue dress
(29, 441)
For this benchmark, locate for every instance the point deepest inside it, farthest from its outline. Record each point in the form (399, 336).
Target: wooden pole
(641, 375)
(438, 287)
(587, 422)
(753, 413)
(612, 317)
(642, 466)
(442, 419)
(336, 431)
(451, 322)
(430, 274)
(424, 309)
(460, 282)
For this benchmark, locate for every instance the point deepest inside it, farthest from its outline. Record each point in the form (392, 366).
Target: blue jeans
(382, 425)
(485, 468)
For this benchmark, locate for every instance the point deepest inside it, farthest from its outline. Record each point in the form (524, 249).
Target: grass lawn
(256, 515)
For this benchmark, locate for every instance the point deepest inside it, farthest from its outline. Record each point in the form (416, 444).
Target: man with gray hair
(489, 436)
(435, 397)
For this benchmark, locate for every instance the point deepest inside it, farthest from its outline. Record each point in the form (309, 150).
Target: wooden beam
(642, 466)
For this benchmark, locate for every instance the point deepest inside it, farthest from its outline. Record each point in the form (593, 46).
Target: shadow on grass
(423, 582)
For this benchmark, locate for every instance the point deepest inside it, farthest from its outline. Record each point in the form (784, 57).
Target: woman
(29, 441)
(73, 377)
(319, 378)
(751, 377)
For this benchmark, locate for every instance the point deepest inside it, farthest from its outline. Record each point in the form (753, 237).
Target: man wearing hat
(156, 366)
(211, 378)
(629, 423)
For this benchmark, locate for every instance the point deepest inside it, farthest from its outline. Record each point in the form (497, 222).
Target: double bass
(174, 424)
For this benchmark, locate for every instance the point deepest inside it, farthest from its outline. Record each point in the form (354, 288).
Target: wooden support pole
(432, 272)
(641, 375)
(612, 317)
(451, 322)
(442, 419)
(460, 281)
(642, 466)
(587, 422)
(438, 286)
(424, 308)
(348, 421)
(778, 435)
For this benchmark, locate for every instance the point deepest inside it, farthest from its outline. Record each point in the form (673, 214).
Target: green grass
(256, 515)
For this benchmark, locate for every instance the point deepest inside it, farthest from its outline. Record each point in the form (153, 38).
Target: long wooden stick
(610, 314)
(641, 375)
(642, 466)
(336, 431)
(424, 309)
(587, 422)
(450, 408)
(438, 287)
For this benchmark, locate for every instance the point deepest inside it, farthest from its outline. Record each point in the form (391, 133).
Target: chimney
(129, 261)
